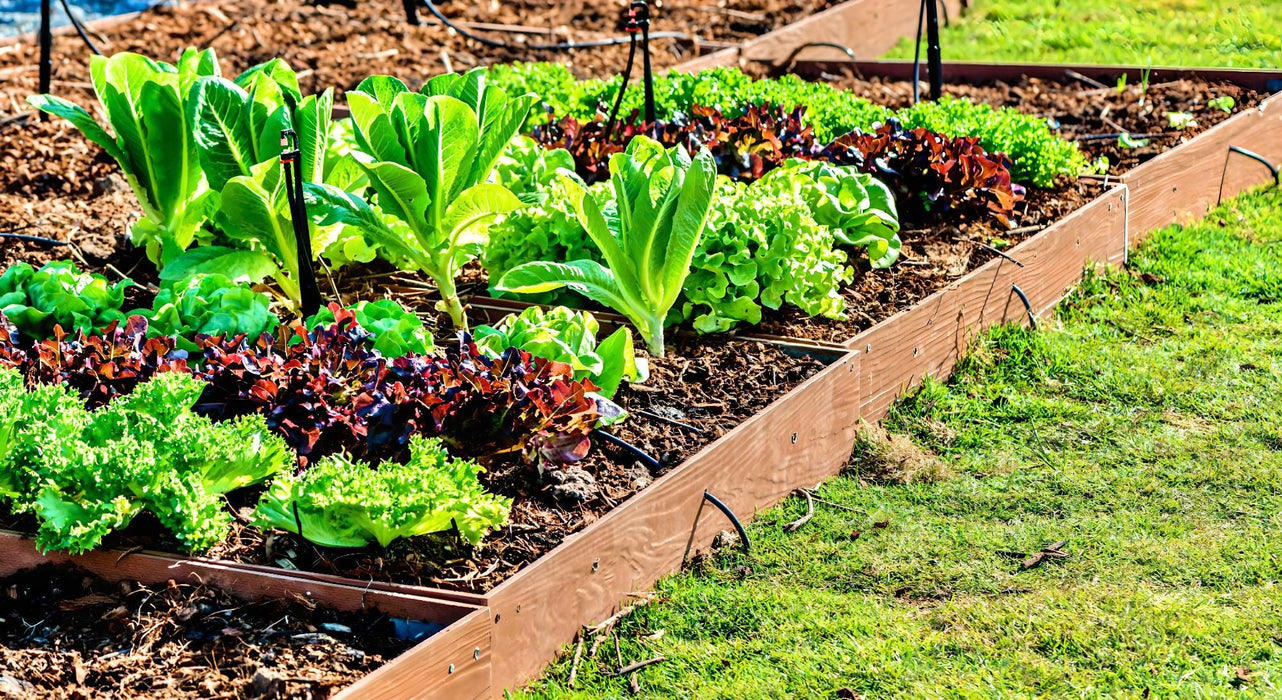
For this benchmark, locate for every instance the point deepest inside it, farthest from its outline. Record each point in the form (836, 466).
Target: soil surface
(65, 633)
(340, 43)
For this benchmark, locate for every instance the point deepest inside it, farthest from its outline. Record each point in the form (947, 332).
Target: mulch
(65, 633)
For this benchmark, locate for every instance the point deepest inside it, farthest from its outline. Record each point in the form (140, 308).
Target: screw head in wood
(794, 438)
(476, 653)
(451, 668)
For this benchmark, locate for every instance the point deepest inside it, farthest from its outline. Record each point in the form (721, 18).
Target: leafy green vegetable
(859, 208)
(85, 474)
(1181, 120)
(238, 123)
(146, 103)
(253, 215)
(1224, 103)
(341, 503)
(59, 294)
(1127, 140)
(527, 168)
(238, 130)
(663, 202)
(1037, 153)
(763, 247)
(210, 305)
(396, 331)
(546, 229)
(569, 336)
(428, 157)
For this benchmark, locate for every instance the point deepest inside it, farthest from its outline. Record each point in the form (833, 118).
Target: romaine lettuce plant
(663, 202)
(341, 503)
(569, 336)
(59, 295)
(146, 103)
(396, 332)
(428, 156)
(238, 130)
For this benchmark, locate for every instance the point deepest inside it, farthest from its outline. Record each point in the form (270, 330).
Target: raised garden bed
(748, 458)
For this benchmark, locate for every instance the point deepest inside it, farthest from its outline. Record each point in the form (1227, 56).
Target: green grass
(1143, 424)
(1135, 32)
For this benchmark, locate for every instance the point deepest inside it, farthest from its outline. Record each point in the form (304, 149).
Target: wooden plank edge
(453, 664)
(929, 338)
(1258, 79)
(1185, 182)
(799, 440)
(18, 552)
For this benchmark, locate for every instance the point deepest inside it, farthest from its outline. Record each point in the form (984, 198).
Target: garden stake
(1032, 317)
(291, 161)
(411, 12)
(46, 50)
(933, 56)
(639, 13)
(1277, 176)
(627, 73)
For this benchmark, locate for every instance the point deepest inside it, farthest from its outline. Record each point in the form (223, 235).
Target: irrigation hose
(80, 28)
(566, 46)
(647, 460)
(921, 21)
(623, 88)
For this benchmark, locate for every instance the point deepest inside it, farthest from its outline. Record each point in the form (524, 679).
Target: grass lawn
(1143, 425)
(1133, 32)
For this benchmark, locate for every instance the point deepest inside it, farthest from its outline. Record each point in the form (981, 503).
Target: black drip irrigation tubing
(734, 520)
(564, 46)
(647, 460)
(80, 28)
(32, 239)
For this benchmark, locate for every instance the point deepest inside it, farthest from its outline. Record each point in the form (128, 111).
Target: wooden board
(1184, 183)
(928, 339)
(867, 27)
(18, 552)
(1260, 80)
(801, 439)
(453, 664)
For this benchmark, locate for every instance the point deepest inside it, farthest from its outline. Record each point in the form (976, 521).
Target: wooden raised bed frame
(505, 637)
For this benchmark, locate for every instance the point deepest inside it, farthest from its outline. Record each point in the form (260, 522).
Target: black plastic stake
(46, 50)
(291, 160)
(641, 11)
(933, 57)
(411, 11)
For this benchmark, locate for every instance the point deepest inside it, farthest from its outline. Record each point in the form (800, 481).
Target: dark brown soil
(64, 633)
(1081, 110)
(339, 44)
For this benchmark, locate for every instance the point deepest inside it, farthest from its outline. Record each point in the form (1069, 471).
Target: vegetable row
(740, 199)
